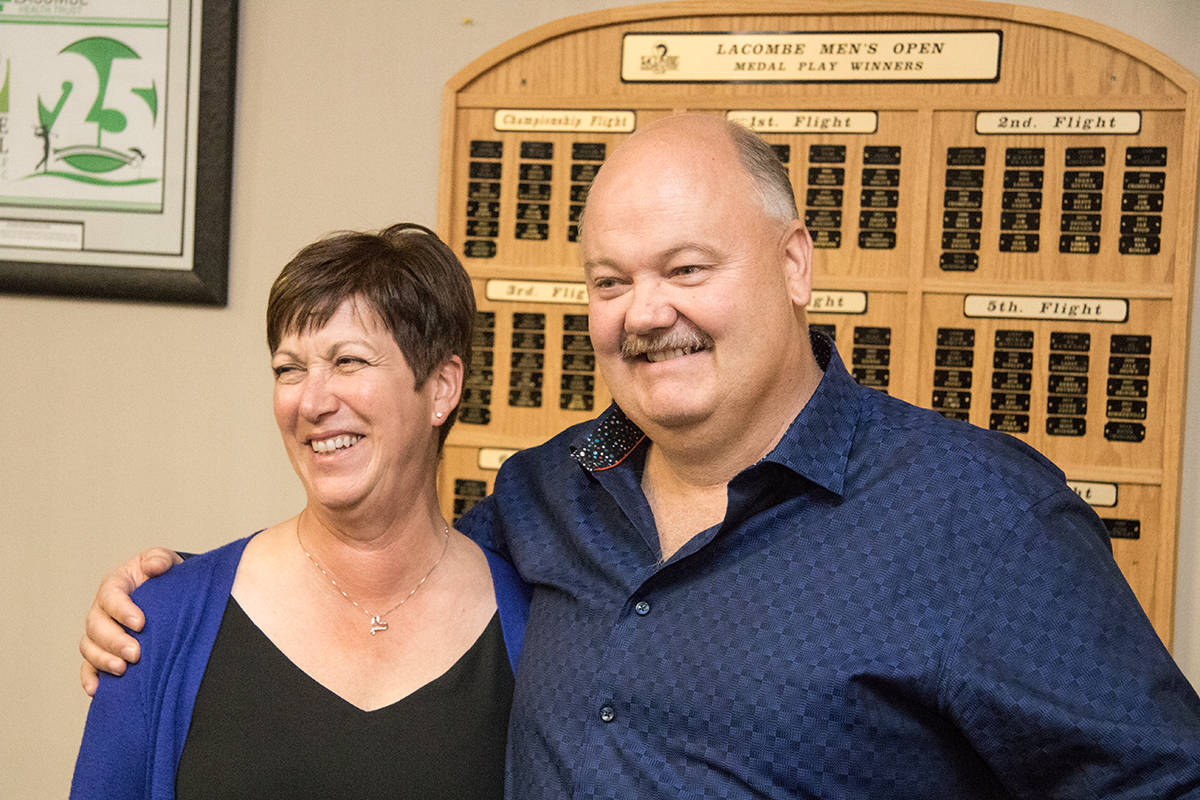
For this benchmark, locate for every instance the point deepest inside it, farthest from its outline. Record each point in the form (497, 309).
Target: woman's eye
(350, 362)
(285, 371)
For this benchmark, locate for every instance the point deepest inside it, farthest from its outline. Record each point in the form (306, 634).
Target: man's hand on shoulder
(105, 644)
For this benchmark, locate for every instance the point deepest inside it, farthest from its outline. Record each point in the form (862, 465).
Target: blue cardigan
(137, 724)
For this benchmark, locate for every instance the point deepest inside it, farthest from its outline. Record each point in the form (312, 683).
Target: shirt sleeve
(114, 757)
(1057, 677)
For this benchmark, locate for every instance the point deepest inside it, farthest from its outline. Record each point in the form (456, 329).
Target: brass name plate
(806, 121)
(1058, 122)
(1102, 495)
(561, 120)
(502, 290)
(492, 457)
(835, 302)
(1065, 308)
(895, 56)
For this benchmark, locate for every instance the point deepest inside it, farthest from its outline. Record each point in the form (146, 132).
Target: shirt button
(607, 714)
(642, 608)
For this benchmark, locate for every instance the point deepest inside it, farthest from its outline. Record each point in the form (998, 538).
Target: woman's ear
(447, 389)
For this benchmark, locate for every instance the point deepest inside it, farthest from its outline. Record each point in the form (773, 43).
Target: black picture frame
(207, 282)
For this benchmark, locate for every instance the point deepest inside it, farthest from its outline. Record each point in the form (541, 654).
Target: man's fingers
(113, 605)
(96, 658)
(88, 678)
(156, 561)
(105, 645)
(103, 631)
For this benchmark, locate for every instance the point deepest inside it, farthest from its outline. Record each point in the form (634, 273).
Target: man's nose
(649, 309)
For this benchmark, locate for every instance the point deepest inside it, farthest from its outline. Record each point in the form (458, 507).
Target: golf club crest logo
(659, 61)
(82, 153)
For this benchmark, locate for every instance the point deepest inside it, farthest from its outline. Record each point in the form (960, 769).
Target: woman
(361, 648)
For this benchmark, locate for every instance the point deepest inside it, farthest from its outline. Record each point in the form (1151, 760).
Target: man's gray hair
(770, 176)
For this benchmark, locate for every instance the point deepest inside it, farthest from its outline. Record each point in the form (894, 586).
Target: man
(755, 578)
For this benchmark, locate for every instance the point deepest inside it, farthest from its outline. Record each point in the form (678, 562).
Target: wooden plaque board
(1003, 201)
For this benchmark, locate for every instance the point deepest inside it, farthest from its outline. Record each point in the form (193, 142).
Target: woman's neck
(373, 559)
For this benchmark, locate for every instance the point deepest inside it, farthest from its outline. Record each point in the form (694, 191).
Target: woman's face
(358, 433)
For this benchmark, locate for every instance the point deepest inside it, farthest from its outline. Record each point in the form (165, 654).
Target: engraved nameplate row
(1082, 199)
(824, 194)
(577, 390)
(871, 356)
(527, 360)
(953, 360)
(880, 197)
(1142, 192)
(474, 408)
(1012, 379)
(586, 158)
(485, 170)
(1127, 388)
(962, 209)
(1067, 383)
(1021, 200)
(534, 191)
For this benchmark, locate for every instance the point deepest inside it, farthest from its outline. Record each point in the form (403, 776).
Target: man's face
(693, 291)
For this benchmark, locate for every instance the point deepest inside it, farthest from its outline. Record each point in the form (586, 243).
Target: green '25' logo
(84, 161)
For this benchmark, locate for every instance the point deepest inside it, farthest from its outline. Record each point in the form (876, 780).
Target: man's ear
(447, 389)
(797, 262)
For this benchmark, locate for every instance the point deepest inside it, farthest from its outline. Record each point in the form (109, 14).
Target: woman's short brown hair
(405, 274)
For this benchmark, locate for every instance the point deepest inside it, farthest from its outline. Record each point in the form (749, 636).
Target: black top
(261, 727)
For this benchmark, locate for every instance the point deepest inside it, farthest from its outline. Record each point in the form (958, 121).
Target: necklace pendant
(378, 625)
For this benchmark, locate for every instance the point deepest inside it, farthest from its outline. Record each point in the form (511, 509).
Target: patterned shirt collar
(816, 444)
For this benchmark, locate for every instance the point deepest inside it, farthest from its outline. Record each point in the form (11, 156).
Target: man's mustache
(683, 336)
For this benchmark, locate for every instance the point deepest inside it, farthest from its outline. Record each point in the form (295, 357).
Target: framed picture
(116, 143)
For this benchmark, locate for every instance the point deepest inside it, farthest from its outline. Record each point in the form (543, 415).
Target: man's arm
(481, 525)
(105, 644)
(1058, 678)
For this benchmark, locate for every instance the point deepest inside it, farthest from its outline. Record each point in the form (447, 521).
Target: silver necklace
(378, 621)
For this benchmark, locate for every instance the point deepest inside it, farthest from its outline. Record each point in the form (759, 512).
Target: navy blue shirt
(895, 606)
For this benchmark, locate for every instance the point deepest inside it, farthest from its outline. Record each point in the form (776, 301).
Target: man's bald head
(767, 175)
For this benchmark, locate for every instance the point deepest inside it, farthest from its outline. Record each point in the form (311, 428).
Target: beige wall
(131, 424)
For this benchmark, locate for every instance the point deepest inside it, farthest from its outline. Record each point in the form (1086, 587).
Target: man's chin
(667, 416)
